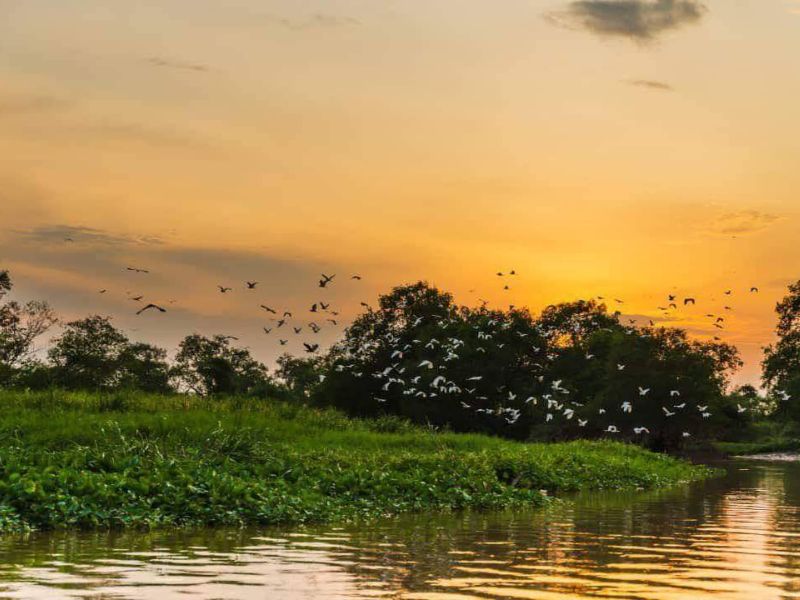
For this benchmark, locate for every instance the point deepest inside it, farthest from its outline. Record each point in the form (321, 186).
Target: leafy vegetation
(122, 460)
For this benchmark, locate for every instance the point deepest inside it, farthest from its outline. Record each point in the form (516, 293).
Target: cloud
(650, 84)
(642, 21)
(173, 64)
(62, 234)
(316, 21)
(30, 104)
(742, 222)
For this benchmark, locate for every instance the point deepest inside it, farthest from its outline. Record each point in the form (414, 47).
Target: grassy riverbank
(94, 461)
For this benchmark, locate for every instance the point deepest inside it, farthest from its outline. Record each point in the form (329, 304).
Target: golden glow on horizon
(442, 141)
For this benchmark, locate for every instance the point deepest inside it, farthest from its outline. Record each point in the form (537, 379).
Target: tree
(92, 354)
(212, 367)
(144, 367)
(20, 325)
(301, 375)
(781, 364)
(571, 372)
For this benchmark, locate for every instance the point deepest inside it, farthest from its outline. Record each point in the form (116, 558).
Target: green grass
(128, 460)
(764, 437)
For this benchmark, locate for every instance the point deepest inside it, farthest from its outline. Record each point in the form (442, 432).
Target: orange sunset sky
(627, 149)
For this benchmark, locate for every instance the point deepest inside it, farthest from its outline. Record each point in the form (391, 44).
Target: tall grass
(133, 460)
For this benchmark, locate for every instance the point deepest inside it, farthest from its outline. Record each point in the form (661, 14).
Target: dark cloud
(158, 61)
(742, 222)
(650, 84)
(639, 20)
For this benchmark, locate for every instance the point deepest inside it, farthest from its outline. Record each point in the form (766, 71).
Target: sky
(625, 148)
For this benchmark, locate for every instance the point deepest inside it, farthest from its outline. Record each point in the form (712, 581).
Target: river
(735, 537)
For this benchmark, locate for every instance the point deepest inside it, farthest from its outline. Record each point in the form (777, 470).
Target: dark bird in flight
(718, 326)
(505, 287)
(499, 274)
(754, 289)
(512, 272)
(688, 301)
(311, 348)
(618, 301)
(268, 309)
(135, 270)
(313, 308)
(326, 280)
(297, 329)
(283, 342)
(314, 327)
(356, 277)
(673, 305)
(365, 305)
(727, 308)
(267, 330)
(720, 319)
(137, 298)
(728, 292)
(671, 297)
(286, 313)
(149, 306)
(282, 322)
(251, 285)
(102, 291)
(324, 306)
(332, 321)
(223, 289)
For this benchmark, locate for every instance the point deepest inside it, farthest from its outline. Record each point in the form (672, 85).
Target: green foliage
(781, 364)
(123, 460)
(213, 367)
(516, 359)
(20, 325)
(92, 354)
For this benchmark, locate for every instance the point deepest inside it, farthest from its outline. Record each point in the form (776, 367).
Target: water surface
(736, 537)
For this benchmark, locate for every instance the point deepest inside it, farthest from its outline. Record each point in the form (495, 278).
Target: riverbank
(137, 461)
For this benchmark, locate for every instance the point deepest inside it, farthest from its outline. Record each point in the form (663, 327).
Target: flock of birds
(427, 378)
(278, 319)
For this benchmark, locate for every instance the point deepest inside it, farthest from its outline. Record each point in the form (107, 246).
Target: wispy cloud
(642, 21)
(16, 104)
(316, 21)
(158, 61)
(742, 222)
(62, 234)
(650, 84)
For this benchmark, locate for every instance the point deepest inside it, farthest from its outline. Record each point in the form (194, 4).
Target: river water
(733, 537)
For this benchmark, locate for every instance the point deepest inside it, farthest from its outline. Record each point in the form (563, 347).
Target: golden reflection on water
(731, 538)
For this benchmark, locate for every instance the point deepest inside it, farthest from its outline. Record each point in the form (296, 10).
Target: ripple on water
(736, 538)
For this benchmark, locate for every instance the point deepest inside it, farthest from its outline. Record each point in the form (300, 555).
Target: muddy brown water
(735, 537)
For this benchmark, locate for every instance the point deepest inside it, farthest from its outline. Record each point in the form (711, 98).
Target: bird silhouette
(149, 306)
(223, 289)
(251, 285)
(326, 279)
(310, 348)
(137, 270)
(688, 301)
(268, 309)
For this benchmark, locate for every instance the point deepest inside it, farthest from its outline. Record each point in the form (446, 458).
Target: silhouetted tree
(781, 364)
(211, 367)
(300, 375)
(92, 354)
(20, 325)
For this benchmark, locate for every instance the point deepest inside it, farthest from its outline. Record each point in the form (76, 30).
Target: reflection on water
(736, 537)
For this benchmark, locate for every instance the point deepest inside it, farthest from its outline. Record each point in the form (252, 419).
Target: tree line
(384, 365)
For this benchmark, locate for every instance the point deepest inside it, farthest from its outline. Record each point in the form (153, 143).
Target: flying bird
(268, 309)
(251, 285)
(326, 279)
(223, 290)
(149, 306)
(311, 348)
(688, 301)
(137, 270)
